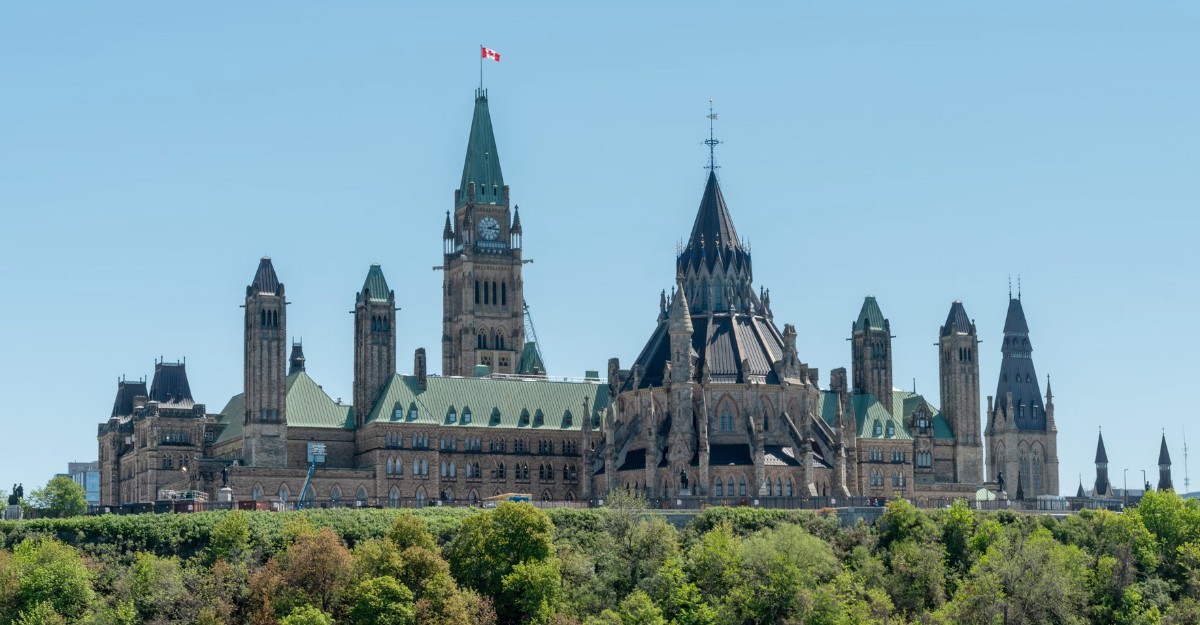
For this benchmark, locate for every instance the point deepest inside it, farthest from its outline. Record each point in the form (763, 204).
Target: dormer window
(878, 429)
(495, 419)
(891, 429)
(451, 415)
(539, 419)
(568, 419)
(524, 421)
(413, 413)
(466, 415)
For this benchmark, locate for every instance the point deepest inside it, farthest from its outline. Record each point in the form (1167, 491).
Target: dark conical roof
(869, 316)
(265, 280)
(516, 223)
(482, 165)
(1080, 493)
(713, 235)
(1164, 456)
(957, 322)
(448, 231)
(170, 384)
(1014, 323)
(1101, 455)
(375, 287)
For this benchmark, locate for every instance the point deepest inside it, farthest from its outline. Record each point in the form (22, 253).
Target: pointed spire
(375, 287)
(516, 222)
(1079, 493)
(1101, 455)
(1049, 393)
(680, 318)
(1015, 323)
(482, 164)
(448, 231)
(1164, 456)
(296, 360)
(957, 322)
(713, 228)
(265, 280)
(870, 317)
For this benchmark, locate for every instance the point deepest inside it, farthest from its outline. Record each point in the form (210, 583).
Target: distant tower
(264, 438)
(871, 353)
(1164, 466)
(1022, 438)
(1102, 487)
(374, 341)
(483, 315)
(959, 372)
(296, 360)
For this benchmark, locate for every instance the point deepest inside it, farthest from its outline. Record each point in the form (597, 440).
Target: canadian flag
(487, 53)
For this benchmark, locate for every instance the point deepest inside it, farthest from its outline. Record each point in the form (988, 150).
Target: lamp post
(1146, 483)
(1126, 489)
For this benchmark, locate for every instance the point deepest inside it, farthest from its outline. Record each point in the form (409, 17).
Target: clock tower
(483, 305)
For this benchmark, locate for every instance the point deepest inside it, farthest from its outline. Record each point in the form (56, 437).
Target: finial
(1010, 286)
(712, 143)
(1018, 286)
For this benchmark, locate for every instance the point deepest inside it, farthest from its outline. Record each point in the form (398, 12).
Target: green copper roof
(868, 411)
(482, 164)
(531, 360)
(375, 287)
(870, 316)
(307, 407)
(504, 403)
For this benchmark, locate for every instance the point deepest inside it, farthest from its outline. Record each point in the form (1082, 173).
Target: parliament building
(718, 405)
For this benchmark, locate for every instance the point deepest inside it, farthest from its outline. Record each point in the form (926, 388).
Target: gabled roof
(957, 322)
(493, 402)
(375, 287)
(868, 411)
(126, 391)
(307, 407)
(1101, 455)
(482, 164)
(870, 317)
(1164, 456)
(265, 280)
(170, 385)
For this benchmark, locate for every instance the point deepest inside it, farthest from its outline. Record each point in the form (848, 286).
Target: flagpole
(481, 67)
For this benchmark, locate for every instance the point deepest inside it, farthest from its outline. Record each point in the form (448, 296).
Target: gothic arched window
(742, 487)
(719, 488)
(394, 498)
(476, 291)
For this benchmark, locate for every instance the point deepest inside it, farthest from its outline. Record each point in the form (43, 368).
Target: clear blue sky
(150, 153)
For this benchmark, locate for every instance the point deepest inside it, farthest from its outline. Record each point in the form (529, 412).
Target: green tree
(917, 582)
(61, 497)
(156, 587)
(490, 544)
(44, 570)
(230, 538)
(409, 530)
(639, 609)
(958, 526)
(318, 565)
(306, 615)
(712, 563)
(381, 601)
(531, 592)
(41, 614)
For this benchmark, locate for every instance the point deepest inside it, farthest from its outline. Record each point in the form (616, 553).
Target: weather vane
(712, 143)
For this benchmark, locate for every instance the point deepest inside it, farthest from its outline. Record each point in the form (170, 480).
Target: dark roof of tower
(1080, 493)
(1018, 375)
(870, 316)
(516, 223)
(713, 234)
(482, 165)
(296, 360)
(957, 322)
(265, 280)
(1164, 456)
(170, 384)
(375, 287)
(1015, 321)
(448, 231)
(1101, 455)
(126, 391)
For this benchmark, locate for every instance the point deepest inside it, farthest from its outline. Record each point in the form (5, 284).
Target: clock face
(489, 228)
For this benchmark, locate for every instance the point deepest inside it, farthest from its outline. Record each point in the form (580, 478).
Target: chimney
(419, 367)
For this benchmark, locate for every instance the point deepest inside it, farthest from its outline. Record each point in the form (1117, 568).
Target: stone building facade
(717, 404)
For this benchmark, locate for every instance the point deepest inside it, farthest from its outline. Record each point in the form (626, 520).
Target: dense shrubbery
(612, 566)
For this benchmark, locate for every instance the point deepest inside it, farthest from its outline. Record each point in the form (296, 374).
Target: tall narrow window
(494, 300)
(476, 291)
(504, 294)
(485, 293)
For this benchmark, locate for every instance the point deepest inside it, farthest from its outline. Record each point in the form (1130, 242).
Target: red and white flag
(487, 53)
